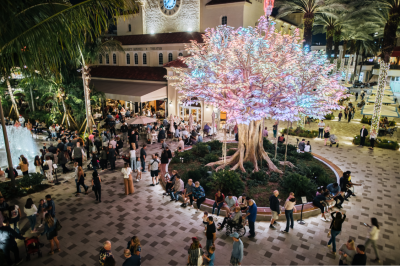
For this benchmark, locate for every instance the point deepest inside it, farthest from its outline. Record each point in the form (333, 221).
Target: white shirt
(362, 132)
(373, 233)
(76, 173)
(181, 144)
(372, 135)
(31, 211)
(22, 120)
(307, 148)
(321, 125)
(154, 165)
(113, 143)
(132, 153)
(126, 172)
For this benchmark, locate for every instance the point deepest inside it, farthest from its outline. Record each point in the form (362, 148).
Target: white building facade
(155, 37)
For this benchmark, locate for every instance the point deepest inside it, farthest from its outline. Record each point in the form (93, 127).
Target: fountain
(21, 143)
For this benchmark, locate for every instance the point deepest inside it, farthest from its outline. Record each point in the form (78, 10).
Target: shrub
(274, 177)
(215, 145)
(329, 116)
(210, 158)
(299, 184)
(301, 132)
(227, 181)
(200, 149)
(248, 166)
(379, 143)
(186, 156)
(175, 160)
(31, 180)
(268, 146)
(196, 174)
(230, 152)
(307, 156)
(259, 176)
(366, 120)
(392, 123)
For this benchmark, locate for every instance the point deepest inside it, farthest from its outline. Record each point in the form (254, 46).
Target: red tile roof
(129, 72)
(220, 2)
(176, 63)
(160, 38)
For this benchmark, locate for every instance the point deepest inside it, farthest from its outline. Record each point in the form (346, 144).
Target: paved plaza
(165, 229)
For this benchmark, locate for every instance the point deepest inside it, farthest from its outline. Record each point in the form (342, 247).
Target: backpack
(280, 138)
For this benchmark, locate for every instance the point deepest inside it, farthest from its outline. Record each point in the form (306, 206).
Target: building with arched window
(156, 38)
(224, 20)
(160, 59)
(136, 59)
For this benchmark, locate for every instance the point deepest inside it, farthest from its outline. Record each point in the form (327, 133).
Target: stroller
(32, 246)
(334, 140)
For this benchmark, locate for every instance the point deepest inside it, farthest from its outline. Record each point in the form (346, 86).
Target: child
(41, 211)
(211, 256)
(205, 216)
(139, 172)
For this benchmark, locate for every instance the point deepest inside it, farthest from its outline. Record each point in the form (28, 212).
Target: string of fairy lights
(383, 74)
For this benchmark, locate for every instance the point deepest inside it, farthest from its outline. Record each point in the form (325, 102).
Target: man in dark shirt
(143, 155)
(52, 149)
(111, 157)
(51, 207)
(3, 204)
(131, 259)
(60, 145)
(275, 208)
(7, 244)
(360, 258)
(210, 232)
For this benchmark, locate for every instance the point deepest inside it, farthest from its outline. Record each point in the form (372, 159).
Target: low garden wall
(264, 213)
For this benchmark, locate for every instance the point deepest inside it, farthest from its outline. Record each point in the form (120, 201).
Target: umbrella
(190, 122)
(388, 111)
(141, 120)
(171, 124)
(213, 122)
(385, 100)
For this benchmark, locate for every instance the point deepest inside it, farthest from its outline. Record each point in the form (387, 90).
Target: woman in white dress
(128, 181)
(49, 171)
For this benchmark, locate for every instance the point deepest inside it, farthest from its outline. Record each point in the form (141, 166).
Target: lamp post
(10, 166)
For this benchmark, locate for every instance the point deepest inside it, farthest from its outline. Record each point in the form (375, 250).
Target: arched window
(169, 57)
(129, 28)
(224, 20)
(128, 59)
(180, 54)
(100, 59)
(144, 59)
(136, 59)
(160, 59)
(114, 59)
(107, 59)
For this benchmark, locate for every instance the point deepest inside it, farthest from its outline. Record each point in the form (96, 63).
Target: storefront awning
(128, 90)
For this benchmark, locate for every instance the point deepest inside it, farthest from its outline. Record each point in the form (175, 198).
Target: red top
(220, 198)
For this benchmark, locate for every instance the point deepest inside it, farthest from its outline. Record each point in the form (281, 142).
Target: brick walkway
(165, 229)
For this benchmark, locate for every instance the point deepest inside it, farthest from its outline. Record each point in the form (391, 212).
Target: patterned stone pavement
(165, 229)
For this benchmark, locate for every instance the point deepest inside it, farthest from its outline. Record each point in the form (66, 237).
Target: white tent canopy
(385, 100)
(388, 111)
(386, 92)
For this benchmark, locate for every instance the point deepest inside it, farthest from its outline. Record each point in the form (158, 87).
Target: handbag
(58, 225)
(45, 167)
(199, 259)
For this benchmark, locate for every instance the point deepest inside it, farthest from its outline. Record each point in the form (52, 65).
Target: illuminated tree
(252, 73)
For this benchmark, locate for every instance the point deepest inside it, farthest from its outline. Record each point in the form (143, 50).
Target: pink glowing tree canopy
(253, 73)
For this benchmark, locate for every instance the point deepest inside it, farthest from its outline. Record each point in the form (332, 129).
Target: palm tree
(389, 12)
(88, 56)
(35, 33)
(309, 8)
(366, 48)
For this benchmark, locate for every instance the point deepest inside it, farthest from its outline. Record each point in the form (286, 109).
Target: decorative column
(383, 74)
(349, 63)
(341, 70)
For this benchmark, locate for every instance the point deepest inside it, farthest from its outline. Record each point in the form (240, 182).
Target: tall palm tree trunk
(348, 69)
(86, 89)
(9, 160)
(330, 31)
(342, 60)
(388, 44)
(308, 21)
(355, 65)
(337, 41)
(14, 104)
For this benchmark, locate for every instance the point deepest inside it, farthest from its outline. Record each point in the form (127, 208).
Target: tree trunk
(355, 66)
(250, 149)
(9, 160)
(86, 89)
(348, 69)
(337, 37)
(388, 44)
(330, 31)
(308, 21)
(276, 140)
(33, 102)
(341, 70)
(12, 97)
